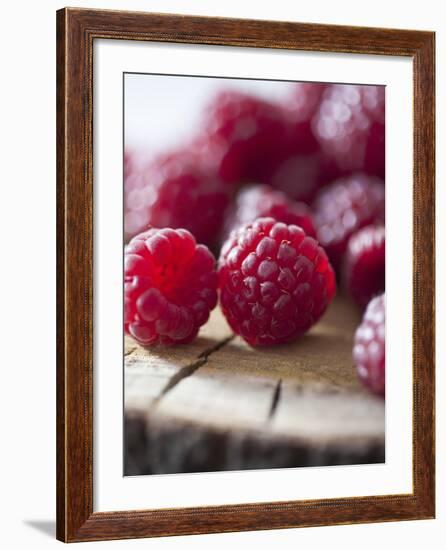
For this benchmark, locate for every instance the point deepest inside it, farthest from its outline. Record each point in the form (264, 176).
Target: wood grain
(76, 31)
(235, 407)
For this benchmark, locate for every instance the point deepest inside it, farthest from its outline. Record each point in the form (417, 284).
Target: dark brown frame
(76, 31)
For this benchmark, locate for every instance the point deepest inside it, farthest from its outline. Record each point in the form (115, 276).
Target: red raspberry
(305, 100)
(365, 263)
(300, 175)
(345, 206)
(128, 162)
(302, 105)
(213, 153)
(134, 183)
(275, 282)
(177, 191)
(244, 133)
(369, 350)
(302, 167)
(350, 126)
(262, 201)
(170, 287)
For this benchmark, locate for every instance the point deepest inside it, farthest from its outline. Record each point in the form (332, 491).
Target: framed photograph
(226, 295)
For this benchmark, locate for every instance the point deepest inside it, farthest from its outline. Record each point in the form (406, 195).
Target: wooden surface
(219, 404)
(77, 30)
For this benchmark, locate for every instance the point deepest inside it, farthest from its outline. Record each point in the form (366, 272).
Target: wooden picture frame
(76, 31)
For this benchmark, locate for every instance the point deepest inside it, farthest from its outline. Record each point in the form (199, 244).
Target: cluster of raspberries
(291, 197)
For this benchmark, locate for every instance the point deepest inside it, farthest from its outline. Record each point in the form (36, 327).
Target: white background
(28, 274)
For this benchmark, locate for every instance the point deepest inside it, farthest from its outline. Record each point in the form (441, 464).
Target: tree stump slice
(218, 404)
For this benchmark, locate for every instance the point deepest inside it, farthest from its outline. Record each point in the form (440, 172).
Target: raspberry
(345, 206)
(177, 191)
(300, 175)
(350, 126)
(302, 105)
(305, 100)
(369, 351)
(128, 162)
(302, 167)
(213, 154)
(134, 183)
(365, 263)
(262, 201)
(244, 133)
(275, 282)
(170, 287)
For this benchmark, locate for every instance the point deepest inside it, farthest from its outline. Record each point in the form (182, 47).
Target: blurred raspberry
(301, 175)
(275, 282)
(170, 287)
(213, 153)
(262, 201)
(369, 350)
(134, 166)
(365, 264)
(134, 160)
(343, 207)
(176, 190)
(302, 166)
(350, 126)
(302, 105)
(128, 162)
(243, 133)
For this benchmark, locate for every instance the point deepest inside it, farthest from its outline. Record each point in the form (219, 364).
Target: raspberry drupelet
(275, 282)
(170, 287)
(369, 350)
(263, 201)
(177, 190)
(343, 207)
(365, 264)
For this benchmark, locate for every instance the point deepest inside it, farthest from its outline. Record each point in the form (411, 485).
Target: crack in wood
(275, 400)
(189, 370)
(184, 372)
(207, 352)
